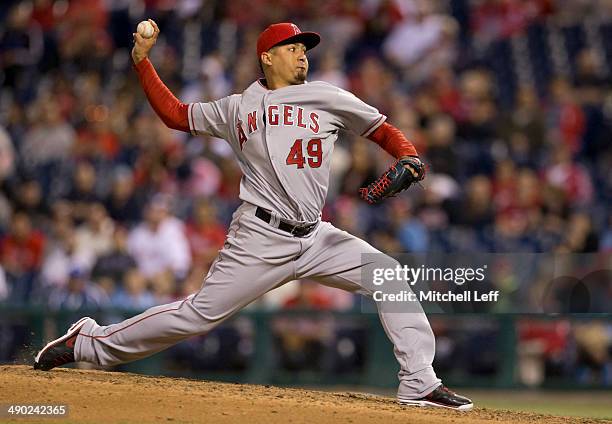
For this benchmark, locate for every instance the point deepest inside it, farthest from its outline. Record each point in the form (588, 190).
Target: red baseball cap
(285, 32)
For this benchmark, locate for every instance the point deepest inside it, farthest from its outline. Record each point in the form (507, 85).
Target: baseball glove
(396, 179)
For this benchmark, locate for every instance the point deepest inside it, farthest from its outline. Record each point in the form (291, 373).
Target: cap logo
(296, 30)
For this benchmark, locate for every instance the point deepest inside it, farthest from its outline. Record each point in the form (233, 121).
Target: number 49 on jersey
(313, 153)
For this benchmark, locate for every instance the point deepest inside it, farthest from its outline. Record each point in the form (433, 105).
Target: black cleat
(441, 397)
(60, 351)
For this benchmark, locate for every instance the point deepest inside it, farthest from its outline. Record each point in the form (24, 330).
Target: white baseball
(145, 29)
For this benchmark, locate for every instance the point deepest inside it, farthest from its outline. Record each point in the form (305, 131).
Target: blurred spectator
(204, 179)
(7, 155)
(96, 139)
(329, 70)
(423, 42)
(205, 233)
(49, 139)
(570, 177)
(28, 197)
(96, 233)
(579, 235)
(523, 128)
(493, 20)
(593, 346)
(117, 261)
(193, 282)
(82, 194)
(440, 192)
(159, 243)
(510, 233)
(589, 81)
(83, 39)
(527, 198)
(409, 230)
(385, 240)
(566, 118)
(163, 287)
(310, 295)
(64, 256)
(348, 215)
(504, 185)
(134, 293)
(123, 204)
(371, 81)
(6, 210)
(475, 87)
(21, 253)
(303, 340)
(541, 348)
(78, 294)
(21, 46)
(441, 152)
(476, 207)
(591, 84)
(361, 172)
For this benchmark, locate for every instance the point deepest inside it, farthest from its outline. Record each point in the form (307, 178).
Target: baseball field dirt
(110, 397)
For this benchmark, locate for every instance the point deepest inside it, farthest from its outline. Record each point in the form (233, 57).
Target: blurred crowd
(101, 204)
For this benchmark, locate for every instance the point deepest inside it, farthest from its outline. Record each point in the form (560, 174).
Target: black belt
(296, 230)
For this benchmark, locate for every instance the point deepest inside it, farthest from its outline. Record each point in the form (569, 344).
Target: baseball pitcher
(282, 130)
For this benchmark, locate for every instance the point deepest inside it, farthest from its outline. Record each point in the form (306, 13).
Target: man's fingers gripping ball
(146, 33)
(401, 175)
(144, 38)
(145, 29)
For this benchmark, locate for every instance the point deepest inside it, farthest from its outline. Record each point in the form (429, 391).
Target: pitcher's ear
(265, 58)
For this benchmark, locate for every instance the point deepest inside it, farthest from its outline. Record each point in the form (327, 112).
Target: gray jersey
(284, 140)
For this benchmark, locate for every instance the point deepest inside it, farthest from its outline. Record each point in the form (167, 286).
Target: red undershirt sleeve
(171, 111)
(393, 141)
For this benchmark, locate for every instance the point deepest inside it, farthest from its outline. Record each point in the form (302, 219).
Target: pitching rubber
(71, 331)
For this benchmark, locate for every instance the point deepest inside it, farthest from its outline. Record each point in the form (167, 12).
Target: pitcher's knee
(212, 311)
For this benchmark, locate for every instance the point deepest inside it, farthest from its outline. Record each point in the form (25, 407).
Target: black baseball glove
(396, 179)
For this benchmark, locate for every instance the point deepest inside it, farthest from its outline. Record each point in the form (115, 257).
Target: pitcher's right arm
(171, 111)
(210, 118)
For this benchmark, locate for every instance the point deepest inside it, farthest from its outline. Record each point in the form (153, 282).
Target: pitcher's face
(288, 62)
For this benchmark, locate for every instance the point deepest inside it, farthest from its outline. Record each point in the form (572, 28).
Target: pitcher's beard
(300, 76)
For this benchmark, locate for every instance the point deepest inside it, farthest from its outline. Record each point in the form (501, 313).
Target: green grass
(578, 404)
(587, 404)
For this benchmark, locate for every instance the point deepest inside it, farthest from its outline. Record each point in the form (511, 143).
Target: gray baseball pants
(256, 259)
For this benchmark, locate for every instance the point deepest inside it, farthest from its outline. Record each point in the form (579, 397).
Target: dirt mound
(110, 397)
